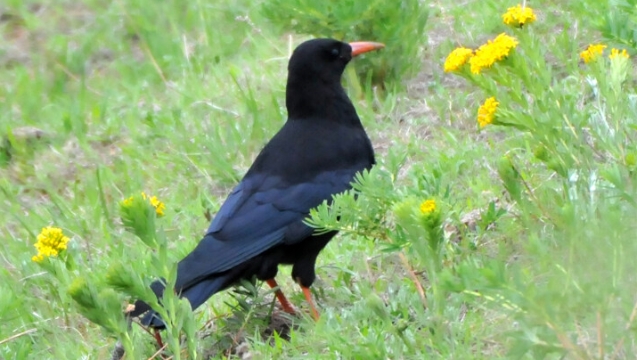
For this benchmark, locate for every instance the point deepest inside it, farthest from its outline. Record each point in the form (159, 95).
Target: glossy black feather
(315, 155)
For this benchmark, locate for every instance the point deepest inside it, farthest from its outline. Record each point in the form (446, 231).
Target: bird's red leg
(285, 303)
(158, 338)
(308, 297)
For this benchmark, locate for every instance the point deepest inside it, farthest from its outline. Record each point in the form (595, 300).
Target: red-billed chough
(315, 155)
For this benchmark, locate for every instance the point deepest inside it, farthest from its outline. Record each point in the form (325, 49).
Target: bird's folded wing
(255, 218)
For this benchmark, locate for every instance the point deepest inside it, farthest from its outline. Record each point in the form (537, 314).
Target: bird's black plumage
(315, 155)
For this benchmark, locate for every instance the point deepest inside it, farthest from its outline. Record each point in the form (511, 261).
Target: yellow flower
(518, 16)
(153, 200)
(491, 52)
(428, 206)
(592, 52)
(50, 242)
(457, 58)
(127, 202)
(486, 112)
(616, 53)
(158, 205)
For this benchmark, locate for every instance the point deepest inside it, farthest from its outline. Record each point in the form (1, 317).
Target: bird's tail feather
(196, 295)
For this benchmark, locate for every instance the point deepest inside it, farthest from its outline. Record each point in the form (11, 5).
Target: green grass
(176, 98)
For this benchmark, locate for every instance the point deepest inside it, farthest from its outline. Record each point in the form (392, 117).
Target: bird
(316, 154)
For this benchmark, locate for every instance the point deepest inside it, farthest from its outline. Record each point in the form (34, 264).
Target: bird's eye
(335, 52)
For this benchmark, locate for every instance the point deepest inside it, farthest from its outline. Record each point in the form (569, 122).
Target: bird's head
(325, 59)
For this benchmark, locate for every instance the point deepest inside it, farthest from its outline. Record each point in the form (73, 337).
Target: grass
(176, 99)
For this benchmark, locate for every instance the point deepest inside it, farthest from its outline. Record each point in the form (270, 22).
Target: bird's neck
(307, 100)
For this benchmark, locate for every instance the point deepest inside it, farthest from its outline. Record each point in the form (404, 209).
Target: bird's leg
(285, 303)
(308, 297)
(158, 338)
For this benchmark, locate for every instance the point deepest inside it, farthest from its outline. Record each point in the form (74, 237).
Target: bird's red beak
(361, 47)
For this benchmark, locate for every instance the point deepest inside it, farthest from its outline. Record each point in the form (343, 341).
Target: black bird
(315, 155)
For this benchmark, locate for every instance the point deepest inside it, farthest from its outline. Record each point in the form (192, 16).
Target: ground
(103, 100)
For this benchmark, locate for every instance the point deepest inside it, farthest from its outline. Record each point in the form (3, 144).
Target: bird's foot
(157, 335)
(286, 305)
(308, 297)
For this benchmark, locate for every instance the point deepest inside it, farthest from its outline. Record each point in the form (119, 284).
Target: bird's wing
(255, 217)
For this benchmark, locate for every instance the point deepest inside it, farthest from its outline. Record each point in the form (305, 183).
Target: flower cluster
(153, 200)
(518, 16)
(139, 213)
(486, 112)
(483, 58)
(492, 52)
(51, 241)
(158, 205)
(428, 206)
(457, 58)
(616, 53)
(592, 52)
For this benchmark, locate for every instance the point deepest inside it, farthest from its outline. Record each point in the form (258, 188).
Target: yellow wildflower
(428, 206)
(592, 52)
(457, 58)
(127, 202)
(518, 16)
(491, 52)
(50, 242)
(616, 53)
(153, 200)
(158, 205)
(486, 112)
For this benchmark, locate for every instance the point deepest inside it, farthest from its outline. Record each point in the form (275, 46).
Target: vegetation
(499, 222)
